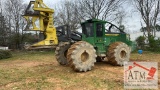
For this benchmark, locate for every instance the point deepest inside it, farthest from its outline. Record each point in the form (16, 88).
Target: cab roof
(94, 20)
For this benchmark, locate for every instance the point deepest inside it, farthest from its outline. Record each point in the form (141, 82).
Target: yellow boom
(39, 17)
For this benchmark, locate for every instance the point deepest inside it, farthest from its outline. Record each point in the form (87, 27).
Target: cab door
(88, 31)
(99, 38)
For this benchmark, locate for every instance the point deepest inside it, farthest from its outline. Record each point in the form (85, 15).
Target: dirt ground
(40, 71)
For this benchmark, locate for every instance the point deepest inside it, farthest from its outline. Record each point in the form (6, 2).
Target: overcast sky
(132, 22)
(49, 3)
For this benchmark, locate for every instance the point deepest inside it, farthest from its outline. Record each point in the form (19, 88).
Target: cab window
(99, 30)
(87, 29)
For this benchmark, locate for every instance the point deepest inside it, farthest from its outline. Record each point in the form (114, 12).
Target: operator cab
(94, 31)
(88, 28)
(96, 28)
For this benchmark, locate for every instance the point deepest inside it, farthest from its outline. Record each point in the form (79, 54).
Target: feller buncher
(79, 50)
(39, 17)
(38, 13)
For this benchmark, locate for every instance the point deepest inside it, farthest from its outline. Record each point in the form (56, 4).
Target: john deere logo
(111, 34)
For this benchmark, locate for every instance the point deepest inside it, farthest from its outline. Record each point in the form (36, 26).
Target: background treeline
(72, 12)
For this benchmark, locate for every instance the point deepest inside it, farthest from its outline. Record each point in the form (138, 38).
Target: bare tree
(74, 12)
(99, 9)
(66, 14)
(3, 31)
(149, 11)
(13, 13)
(120, 17)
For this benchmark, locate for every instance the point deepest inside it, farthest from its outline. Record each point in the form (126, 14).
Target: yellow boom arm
(40, 18)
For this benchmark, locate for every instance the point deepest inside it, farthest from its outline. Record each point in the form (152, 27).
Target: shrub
(5, 54)
(141, 42)
(154, 45)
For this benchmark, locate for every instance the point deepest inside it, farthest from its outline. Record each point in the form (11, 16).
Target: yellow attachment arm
(40, 6)
(39, 17)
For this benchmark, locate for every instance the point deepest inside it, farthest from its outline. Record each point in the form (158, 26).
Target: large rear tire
(81, 56)
(61, 52)
(118, 53)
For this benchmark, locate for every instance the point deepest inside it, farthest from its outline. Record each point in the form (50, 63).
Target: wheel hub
(123, 54)
(84, 56)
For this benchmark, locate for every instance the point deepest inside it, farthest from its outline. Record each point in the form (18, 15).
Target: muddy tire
(61, 52)
(118, 53)
(81, 56)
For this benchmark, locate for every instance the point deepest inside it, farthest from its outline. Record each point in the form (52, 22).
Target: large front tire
(61, 52)
(81, 56)
(118, 53)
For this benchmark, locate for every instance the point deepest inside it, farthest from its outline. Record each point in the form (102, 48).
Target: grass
(40, 71)
(147, 56)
